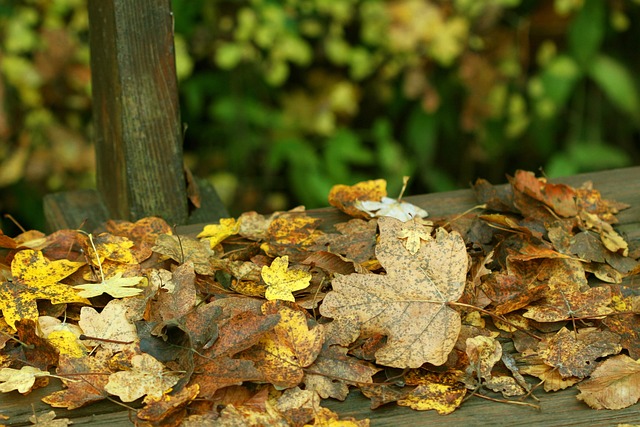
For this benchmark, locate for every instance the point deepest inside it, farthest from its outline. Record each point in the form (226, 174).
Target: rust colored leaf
(559, 197)
(212, 375)
(143, 233)
(38, 351)
(409, 303)
(84, 379)
(333, 371)
(167, 410)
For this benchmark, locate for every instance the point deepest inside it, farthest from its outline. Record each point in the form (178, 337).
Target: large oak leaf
(409, 303)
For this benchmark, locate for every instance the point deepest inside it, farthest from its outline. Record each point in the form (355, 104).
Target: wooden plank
(138, 133)
(74, 209)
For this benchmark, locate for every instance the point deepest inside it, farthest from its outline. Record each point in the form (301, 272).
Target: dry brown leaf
(409, 303)
(147, 377)
(615, 384)
(575, 353)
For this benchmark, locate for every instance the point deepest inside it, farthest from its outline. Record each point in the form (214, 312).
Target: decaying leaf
(614, 384)
(20, 379)
(440, 392)
(575, 353)
(111, 326)
(283, 353)
(409, 303)
(147, 377)
(35, 277)
(49, 420)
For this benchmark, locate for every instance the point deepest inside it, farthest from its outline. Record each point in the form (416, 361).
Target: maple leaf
(282, 282)
(116, 286)
(143, 233)
(167, 410)
(483, 352)
(575, 353)
(111, 326)
(283, 353)
(559, 197)
(298, 406)
(614, 384)
(49, 420)
(35, 277)
(393, 208)
(216, 233)
(183, 249)
(146, 377)
(291, 233)
(84, 378)
(409, 303)
(332, 363)
(20, 379)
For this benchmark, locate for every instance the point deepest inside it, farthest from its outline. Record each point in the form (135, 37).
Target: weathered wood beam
(138, 133)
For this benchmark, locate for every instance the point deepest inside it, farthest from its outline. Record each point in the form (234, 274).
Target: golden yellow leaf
(67, 343)
(281, 281)
(216, 233)
(283, 353)
(20, 379)
(35, 277)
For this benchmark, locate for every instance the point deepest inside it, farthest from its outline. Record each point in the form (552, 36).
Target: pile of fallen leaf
(257, 319)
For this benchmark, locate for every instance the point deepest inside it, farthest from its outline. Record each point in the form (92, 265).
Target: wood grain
(138, 133)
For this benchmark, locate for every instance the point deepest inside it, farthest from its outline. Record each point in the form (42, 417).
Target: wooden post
(138, 133)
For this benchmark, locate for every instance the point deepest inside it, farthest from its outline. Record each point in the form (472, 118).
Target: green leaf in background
(587, 31)
(617, 83)
(559, 78)
(584, 156)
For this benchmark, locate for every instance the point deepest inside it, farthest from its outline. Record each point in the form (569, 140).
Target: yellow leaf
(218, 232)
(21, 380)
(415, 232)
(35, 277)
(116, 286)
(67, 343)
(281, 281)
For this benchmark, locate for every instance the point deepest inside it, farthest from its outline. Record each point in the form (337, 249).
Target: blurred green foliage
(285, 98)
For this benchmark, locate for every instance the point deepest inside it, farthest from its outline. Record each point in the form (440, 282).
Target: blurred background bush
(284, 98)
